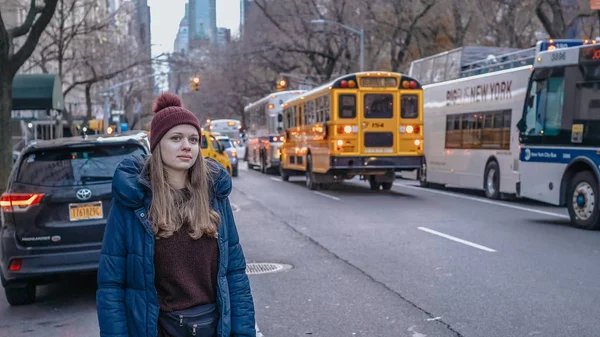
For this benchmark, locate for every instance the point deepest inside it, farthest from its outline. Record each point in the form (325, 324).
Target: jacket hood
(131, 192)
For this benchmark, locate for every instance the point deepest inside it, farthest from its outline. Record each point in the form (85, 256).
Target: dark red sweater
(185, 271)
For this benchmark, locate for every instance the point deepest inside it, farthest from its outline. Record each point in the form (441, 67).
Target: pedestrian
(171, 263)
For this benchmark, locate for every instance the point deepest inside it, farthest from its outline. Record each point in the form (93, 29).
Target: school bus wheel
(283, 173)
(310, 176)
(373, 183)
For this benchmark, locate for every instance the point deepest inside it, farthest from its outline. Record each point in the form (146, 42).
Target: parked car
(231, 153)
(55, 208)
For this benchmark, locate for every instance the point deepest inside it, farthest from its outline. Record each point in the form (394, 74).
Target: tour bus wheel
(492, 180)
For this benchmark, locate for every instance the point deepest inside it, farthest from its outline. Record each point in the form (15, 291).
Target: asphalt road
(410, 262)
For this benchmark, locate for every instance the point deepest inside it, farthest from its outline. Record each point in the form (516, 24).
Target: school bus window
(204, 143)
(409, 106)
(327, 113)
(379, 106)
(347, 106)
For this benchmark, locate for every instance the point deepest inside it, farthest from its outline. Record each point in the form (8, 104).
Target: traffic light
(195, 83)
(282, 84)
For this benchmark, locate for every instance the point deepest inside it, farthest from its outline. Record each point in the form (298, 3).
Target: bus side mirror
(522, 126)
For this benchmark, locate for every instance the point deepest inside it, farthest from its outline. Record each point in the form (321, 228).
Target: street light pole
(362, 50)
(360, 33)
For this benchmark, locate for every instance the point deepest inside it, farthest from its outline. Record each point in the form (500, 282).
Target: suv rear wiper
(95, 178)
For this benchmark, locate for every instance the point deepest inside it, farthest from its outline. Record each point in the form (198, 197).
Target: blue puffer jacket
(127, 301)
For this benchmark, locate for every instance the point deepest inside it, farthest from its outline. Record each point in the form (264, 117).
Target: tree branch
(34, 35)
(26, 26)
(102, 77)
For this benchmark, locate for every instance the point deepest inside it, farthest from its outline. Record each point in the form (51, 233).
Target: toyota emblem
(84, 194)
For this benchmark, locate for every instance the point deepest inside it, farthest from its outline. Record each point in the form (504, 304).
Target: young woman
(171, 262)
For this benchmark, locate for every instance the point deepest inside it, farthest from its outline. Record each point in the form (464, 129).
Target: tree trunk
(5, 127)
(88, 102)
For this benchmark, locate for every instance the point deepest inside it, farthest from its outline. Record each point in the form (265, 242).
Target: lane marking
(258, 333)
(276, 179)
(485, 201)
(326, 195)
(235, 208)
(453, 238)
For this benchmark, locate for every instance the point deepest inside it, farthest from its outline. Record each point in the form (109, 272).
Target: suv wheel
(20, 295)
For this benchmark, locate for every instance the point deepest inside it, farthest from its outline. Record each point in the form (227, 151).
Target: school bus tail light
(410, 129)
(347, 129)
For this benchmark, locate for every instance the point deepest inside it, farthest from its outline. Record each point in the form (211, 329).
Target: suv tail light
(15, 265)
(14, 202)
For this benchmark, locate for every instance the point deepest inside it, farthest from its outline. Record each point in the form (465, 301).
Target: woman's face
(180, 147)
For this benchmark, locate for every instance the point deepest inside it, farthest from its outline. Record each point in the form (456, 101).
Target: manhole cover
(264, 268)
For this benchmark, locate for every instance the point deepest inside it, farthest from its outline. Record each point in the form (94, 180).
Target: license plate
(89, 211)
(378, 150)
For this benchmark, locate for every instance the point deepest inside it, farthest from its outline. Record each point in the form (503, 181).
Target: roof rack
(469, 61)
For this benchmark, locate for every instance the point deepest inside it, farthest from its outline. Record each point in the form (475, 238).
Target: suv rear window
(74, 166)
(225, 142)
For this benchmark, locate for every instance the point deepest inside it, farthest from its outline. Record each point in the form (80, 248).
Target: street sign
(595, 4)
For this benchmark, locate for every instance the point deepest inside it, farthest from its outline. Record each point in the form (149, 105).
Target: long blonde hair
(170, 210)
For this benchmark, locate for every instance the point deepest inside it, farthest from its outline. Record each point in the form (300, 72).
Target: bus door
(378, 123)
(410, 123)
(347, 135)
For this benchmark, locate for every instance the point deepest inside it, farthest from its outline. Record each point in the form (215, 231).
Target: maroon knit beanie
(169, 112)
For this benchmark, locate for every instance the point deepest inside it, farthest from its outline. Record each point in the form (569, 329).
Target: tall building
(142, 16)
(143, 35)
(182, 41)
(246, 7)
(223, 36)
(202, 20)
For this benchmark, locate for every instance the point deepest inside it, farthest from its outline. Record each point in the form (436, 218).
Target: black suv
(55, 208)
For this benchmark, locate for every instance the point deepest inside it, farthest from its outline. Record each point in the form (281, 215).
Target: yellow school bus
(367, 124)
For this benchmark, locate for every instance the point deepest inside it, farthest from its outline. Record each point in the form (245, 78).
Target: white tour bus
(471, 110)
(264, 123)
(560, 133)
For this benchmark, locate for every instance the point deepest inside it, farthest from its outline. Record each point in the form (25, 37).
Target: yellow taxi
(212, 148)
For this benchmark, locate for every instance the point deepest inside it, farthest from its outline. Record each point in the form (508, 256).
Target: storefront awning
(37, 92)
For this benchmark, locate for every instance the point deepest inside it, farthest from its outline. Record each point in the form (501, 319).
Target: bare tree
(557, 18)
(398, 21)
(11, 61)
(289, 42)
(508, 23)
(87, 47)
